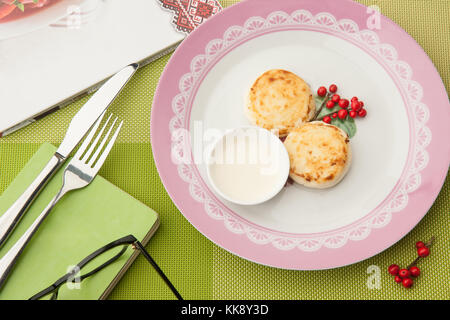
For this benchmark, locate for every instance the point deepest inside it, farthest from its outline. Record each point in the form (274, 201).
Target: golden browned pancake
(320, 154)
(279, 100)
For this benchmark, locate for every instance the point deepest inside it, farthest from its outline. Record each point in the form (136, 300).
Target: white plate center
(380, 147)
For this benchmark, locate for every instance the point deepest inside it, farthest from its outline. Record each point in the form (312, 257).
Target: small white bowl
(277, 149)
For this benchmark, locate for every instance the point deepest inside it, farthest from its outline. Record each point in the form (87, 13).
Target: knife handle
(9, 259)
(12, 216)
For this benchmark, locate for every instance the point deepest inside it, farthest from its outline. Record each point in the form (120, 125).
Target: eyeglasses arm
(147, 256)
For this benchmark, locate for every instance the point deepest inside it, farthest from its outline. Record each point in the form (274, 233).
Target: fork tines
(98, 157)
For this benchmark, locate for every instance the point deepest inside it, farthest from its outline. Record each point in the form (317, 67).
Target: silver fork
(79, 173)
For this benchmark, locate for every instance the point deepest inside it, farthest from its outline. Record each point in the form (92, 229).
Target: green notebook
(83, 221)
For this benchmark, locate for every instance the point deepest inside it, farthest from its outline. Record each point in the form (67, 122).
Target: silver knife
(79, 126)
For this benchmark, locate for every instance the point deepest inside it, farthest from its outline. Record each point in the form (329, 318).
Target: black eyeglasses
(99, 260)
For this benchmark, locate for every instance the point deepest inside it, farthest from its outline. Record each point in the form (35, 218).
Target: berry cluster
(353, 108)
(404, 276)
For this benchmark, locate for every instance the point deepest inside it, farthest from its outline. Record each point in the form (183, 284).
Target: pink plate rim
(378, 239)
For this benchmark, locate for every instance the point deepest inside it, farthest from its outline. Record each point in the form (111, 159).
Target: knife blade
(78, 128)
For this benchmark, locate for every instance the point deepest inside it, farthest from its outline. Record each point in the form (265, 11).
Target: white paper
(43, 68)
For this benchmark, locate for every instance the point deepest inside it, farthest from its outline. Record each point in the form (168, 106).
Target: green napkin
(83, 221)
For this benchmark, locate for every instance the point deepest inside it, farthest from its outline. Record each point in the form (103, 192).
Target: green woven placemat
(200, 269)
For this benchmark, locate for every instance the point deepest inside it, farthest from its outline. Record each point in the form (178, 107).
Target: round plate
(400, 155)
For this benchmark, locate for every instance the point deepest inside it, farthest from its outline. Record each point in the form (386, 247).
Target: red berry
(423, 252)
(420, 244)
(333, 88)
(362, 113)
(354, 99)
(330, 104)
(356, 106)
(352, 114)
(398, 279)
(404, 273)
(361, 103)
(322, 91)
(326, 119)
(343, 103)
(415, 272)
(394, 269)
(335, 98)
(342, 114)
(334, 115)
(407, 283)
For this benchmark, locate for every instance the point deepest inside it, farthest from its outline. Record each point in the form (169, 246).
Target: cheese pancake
(279, 100)
(320, 154)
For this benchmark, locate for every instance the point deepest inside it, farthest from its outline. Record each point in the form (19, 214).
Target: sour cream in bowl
(248, 165)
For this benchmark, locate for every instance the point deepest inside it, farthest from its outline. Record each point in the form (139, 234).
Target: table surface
(199, 268)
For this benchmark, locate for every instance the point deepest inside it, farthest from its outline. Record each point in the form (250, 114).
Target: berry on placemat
(394, 269)
(407, 282)
(404, 273)
(322, 91)
(327, 119)
(403, 276)
(352, 114)
(423, 252)
(420, 244)
(415, 271)
(334, 115)
(333, 88)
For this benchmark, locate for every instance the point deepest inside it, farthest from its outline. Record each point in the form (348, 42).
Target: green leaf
(319, 100)
(348, 125)
(326, 111)
(19, 5)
